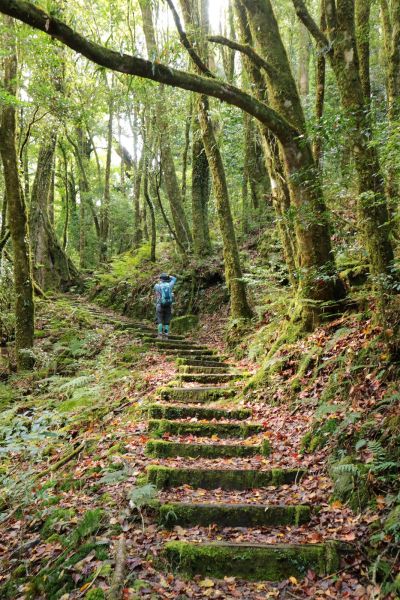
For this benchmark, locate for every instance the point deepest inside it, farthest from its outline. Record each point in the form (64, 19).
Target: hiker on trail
(164, 301)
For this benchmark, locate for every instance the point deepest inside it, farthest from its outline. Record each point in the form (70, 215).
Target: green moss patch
(231, 515)
(208, 378)
(194, 362)
(185, 323)
(226, 479)
(158, 427)
(206, 370)
(254, 563)
(201, 394)
(164, 449)
(164, 411)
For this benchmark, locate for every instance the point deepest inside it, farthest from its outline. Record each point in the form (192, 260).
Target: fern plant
(140, 497)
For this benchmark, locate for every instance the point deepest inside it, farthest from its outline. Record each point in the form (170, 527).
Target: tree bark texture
(17, 218)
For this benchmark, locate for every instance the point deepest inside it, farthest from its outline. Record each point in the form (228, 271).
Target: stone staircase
(201, 411)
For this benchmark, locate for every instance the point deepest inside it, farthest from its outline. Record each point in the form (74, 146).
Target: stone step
(166, 449)
(226, 479)
(153, 335)
(166, 411)
(196, 394)
(207, 378)
(158, 427)
(190, 353)
(186, 514)
(254, 562)
(174, 345)
(193, 362)
(203, 369)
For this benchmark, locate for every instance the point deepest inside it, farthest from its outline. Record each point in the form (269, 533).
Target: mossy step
(166, 449)
(174, 345)
(226, 479)
(207, 378)
(158, 427)
(231, 515)
(203, 369)
(165, 411)
(188, 353)
(153, 335)
(254, 562)
(196, 394)
(194, 362)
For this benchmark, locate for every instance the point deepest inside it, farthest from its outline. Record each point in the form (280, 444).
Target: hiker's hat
(164, 277)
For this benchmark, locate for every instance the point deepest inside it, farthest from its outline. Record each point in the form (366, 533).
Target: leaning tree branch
(248, 51)
(307, 20)
(132, 65)
(188, 44)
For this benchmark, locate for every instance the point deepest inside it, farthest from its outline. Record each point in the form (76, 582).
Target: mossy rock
(158, 427)
(184, 324)
(231, 515)
(226, 479)
(273, 562)
(164, 449)
(164, 411)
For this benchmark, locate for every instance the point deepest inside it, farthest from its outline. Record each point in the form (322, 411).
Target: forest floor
(73, 448)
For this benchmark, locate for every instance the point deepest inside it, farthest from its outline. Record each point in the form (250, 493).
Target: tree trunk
(303, 70)
(373, 216)
(170, 178)
(239, 306)
(105, 205)
(200, 189)
(17, 219)
(52, 267)
(320, 286)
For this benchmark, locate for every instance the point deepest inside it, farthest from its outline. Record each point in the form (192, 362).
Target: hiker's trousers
(163, 314)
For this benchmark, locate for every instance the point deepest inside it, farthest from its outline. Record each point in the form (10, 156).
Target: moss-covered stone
(273, 562)
(157, 427)
(185, 323)
(226, 479)
(177, 345)
(231, 515)
(194, 362)
(195, 394)
(164, 449)
(189, 369)
(163, 411)
(350, 480)
(208, 377)
(191, 353)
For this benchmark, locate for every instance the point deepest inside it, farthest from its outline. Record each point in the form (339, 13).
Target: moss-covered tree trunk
(391, 30)
(319, 282)
(239, 306)
(340, 37)
(200, 189)
(172, 187)
(17, 218)
(106, 200)
(52, 267)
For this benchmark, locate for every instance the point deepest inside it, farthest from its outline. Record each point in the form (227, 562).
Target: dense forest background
(250, 147)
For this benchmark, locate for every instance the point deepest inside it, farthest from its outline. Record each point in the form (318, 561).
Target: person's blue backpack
(166, 294)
